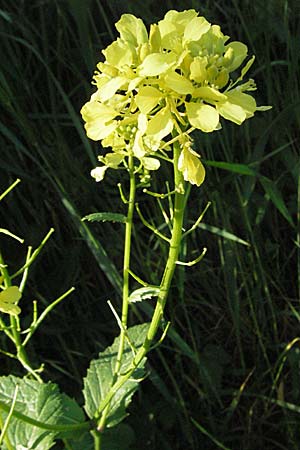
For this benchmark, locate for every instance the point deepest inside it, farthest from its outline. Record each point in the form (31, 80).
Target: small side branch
(148, 225)
(195, 261)
(197, 221)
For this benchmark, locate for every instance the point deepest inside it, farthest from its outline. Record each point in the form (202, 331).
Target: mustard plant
(153, 91)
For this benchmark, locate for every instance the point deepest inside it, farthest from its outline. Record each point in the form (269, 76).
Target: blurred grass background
(228, 375)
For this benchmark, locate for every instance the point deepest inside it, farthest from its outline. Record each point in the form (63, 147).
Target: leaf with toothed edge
(101, 371)
(143, 293)
(105, 217)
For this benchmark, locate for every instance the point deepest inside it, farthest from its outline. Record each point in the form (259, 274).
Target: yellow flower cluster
(168, 82)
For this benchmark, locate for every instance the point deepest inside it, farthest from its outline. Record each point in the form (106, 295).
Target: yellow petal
(240, 52)
(154, 38)
(245, 101)
(155, 64)
(147, 98)
(151, 163)
(118, 54)
(138, 145)
(98, 118)
(9, 308)
(209, 93)
(160, 125)
(142, 123)
(112, 160)
(195, 29)
(169, 35)
(111, 87)
(231, 112)
(10, 295)
(132, 29)
(178, 83)
(198, 69)
(180, 18)
(190, 165)
(203, 117)
(222, 78)
(98, 173)
(8, 298)
(238, 107)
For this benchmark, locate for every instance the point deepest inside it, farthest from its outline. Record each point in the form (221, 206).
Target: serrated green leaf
(143, 293)
(120, 438)
(100, 374)
(71, 414)
(105, 217)
(39, 401)
(275, 196)
(85, 441)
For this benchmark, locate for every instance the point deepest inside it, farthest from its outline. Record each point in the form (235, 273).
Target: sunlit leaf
(143, 293)
(232, 167)
(223, 233)
(41, 402)
(105, 217)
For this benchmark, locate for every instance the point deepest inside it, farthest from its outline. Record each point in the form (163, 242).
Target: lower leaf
(101, 372)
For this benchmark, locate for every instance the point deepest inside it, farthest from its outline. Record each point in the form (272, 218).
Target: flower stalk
(174, 248)
(126, 269)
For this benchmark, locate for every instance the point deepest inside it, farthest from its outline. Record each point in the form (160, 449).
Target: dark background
(228, 374)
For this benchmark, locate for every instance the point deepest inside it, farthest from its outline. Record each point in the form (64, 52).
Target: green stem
(9, 189)
(126, 273)
(179, 206)
(83, 426)
(14, 329)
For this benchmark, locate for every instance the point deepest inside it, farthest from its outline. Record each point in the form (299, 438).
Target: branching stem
(174, 247)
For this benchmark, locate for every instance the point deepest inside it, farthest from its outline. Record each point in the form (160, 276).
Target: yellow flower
(175, 78)
(190, 165)
(8, 299)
